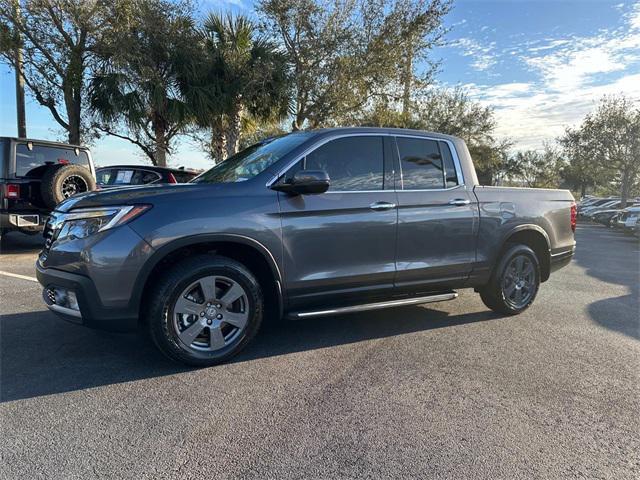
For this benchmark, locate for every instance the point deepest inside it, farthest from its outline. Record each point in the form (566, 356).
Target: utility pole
(20, 110)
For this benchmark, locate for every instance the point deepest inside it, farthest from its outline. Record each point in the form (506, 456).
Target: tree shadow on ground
(41, 354)
(613, 257)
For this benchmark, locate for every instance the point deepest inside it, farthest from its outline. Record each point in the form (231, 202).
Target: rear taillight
(12, 191)
(574, 216)
(172, 179)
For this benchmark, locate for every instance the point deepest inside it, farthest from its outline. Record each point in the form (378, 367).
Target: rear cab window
(32, 158)
(426, 164)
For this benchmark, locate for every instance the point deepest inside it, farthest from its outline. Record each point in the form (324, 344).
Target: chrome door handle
(460, 202)
(382, 206)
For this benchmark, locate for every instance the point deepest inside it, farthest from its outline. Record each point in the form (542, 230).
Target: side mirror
(305, 182)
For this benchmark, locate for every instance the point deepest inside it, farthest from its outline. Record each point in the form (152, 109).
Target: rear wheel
(514, 283)
(205, 310)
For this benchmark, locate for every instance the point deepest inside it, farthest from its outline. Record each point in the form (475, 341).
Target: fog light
(65, 298)
(72, 300)
(60, 296)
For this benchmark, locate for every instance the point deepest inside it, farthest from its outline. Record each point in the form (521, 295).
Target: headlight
(87, 221)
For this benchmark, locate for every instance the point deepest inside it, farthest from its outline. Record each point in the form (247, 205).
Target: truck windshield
(252, 160)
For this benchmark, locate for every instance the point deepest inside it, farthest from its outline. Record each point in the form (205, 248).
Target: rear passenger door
(339, 246)
(437, 216)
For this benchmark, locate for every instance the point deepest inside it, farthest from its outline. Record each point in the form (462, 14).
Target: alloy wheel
(519, 281)
(210, 313)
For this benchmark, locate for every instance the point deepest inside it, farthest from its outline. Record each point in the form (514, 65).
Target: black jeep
(35, 176)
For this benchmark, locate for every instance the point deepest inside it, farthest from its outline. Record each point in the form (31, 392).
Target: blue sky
(541, 64)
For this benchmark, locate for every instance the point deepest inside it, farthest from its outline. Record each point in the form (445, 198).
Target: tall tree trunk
(72, 89)
(626, 187)
(160, 154)
(218, 140)
(72, 105)
(20, 109)
(407, 80)
(234, 128)
(74, 125)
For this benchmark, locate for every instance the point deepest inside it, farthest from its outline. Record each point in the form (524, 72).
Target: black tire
(493, 294)
(161, 320)
(62, 181)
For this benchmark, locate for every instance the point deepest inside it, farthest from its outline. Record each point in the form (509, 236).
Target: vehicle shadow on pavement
(42, 355)
(19, 243)
(619, 264)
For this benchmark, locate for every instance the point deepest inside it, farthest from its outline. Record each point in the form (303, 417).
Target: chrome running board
(439, 297)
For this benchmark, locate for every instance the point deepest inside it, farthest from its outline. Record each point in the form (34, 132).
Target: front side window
(420, 163)
(252, 160)
(29, 162)
(352, 163)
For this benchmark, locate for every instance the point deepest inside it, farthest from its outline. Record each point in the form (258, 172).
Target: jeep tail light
(12, 191)
(574, 216)
(172, 179)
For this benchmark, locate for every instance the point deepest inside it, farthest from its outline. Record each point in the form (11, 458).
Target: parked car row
(36, 175)
(610, 212)
(122, 175)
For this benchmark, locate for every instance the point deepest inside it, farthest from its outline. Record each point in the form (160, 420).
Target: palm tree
(242, 76)
(135, 93)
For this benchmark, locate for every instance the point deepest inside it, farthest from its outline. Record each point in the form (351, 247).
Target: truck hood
(151, 194)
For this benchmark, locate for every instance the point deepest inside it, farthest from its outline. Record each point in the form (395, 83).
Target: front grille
(50, 296)
(50, 231)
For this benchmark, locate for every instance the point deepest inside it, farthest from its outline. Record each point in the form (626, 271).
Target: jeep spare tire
(60, 182)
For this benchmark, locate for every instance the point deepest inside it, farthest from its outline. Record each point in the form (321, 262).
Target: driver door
(339, 246)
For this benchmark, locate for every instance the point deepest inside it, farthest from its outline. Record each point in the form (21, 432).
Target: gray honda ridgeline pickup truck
(309, 224)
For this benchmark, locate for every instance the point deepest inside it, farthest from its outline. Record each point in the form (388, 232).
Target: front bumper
(92, 313)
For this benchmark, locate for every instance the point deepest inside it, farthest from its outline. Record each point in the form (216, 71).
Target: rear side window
(143, 177)
(127, 176)
(30, 162)
(353, 163)
(104, 176)
(183, 177)
(421, 164)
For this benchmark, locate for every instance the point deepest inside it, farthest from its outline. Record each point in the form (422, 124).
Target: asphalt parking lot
(446, 390)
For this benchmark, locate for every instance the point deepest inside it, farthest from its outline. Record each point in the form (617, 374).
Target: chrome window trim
(315, 146)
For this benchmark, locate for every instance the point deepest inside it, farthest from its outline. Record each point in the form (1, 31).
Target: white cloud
(634, 17)
(529, 114)
(570, 75)
(483, 55)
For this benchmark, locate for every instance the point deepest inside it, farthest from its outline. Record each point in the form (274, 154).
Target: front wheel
(514, 283)
(204, 310)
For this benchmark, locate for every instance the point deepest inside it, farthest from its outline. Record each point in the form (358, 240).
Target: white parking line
(16, 275)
